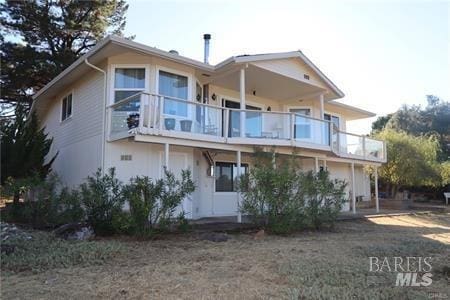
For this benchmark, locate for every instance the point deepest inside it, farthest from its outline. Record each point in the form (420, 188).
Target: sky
(381, 54)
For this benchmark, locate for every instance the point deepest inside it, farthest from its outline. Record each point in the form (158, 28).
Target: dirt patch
(309, 265)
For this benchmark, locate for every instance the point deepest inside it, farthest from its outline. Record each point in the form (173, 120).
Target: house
(138, 109)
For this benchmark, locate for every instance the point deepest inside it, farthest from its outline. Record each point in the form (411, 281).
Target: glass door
(253, 120)
(302, 125)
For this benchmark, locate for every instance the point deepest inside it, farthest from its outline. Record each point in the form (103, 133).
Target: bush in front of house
(47, 204)
(153, 203)
(282, 199)
(102, 199)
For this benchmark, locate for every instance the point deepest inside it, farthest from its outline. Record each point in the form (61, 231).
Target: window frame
(68, 117)
(113, 88)
(311, 115)
(331, 117)
(245, 165)
(190, 89)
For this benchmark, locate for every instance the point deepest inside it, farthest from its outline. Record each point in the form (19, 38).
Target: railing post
(141, 112)
(161, 112)
(226, 123)
(338, 141)
(364, 146)
(292, 126)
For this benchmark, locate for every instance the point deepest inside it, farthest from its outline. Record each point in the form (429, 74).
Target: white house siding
(77, 140)
(292, 67)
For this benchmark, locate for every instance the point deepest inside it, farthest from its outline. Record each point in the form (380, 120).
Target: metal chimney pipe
(206, 37)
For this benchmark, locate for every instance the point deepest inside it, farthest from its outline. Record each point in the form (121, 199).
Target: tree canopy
(434, 119)
(40, 38)
(412, 160)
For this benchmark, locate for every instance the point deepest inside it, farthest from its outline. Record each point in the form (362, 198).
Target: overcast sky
(381, 54)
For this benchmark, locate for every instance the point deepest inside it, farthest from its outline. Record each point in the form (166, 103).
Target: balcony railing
(156, 114)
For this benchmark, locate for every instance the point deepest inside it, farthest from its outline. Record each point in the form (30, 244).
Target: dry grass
(317, 265)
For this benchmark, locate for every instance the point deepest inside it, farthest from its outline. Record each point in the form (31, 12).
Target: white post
(316, 164)
(322, 110)
(377, 203)
(242, 101)
(238, 173)
(166, 155)
(324, 164)
(353, 189)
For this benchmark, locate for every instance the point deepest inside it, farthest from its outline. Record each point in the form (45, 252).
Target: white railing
(158, 114)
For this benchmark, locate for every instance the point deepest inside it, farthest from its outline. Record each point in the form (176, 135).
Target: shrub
(153, 202)
(278, 196)
(102, 199)
(47, 204)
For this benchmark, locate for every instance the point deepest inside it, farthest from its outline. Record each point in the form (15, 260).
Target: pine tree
(40, 38)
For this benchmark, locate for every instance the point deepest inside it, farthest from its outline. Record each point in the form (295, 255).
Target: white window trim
(191, 81)
(61, 106)
(128, 66)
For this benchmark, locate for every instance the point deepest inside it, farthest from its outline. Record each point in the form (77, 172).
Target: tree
(40, 38)
(23, 149)
(434, 119)
(412, 160)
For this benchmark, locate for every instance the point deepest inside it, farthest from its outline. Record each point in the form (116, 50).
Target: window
(226, 174)
(127, 82)
(176, 86)
(302, 128)
(335, 121)
(66, 107)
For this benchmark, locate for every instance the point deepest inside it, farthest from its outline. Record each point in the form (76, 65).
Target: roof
(122, 42)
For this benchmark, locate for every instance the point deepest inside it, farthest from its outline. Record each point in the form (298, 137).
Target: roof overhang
(351, 113)
(114, 45)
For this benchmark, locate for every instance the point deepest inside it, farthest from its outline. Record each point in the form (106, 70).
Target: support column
(166, 155)
(353, 189)
(322, 110)
(377, 203)
(242, 101)
(316, 164)
(238, 163)
(325, 165)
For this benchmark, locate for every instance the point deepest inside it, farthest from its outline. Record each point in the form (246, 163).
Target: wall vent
(126, 157)
(306, 76)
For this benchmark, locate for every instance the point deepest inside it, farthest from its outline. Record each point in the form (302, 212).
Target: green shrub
(153, 202)
(47, 205)
(102, 199)
(278, 196)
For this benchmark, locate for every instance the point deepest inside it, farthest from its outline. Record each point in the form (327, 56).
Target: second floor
(126, 89)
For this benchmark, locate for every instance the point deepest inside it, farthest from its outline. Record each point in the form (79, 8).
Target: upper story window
(176, 86)
(66, 107)
(127, 82)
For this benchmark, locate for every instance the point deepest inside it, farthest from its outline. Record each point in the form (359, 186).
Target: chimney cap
(207, 36)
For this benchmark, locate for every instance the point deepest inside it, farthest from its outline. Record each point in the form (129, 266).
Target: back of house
(140, 109)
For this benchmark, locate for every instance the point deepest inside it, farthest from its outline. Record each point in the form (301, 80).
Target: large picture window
(226, 175)
(176, 86)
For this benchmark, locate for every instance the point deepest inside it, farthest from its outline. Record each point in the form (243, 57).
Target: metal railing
(148, 113)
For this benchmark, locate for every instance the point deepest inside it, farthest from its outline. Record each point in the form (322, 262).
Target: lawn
(306, 265)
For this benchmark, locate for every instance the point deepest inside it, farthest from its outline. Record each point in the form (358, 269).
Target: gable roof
(79, 64)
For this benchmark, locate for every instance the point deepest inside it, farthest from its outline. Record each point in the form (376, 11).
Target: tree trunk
(16, 197)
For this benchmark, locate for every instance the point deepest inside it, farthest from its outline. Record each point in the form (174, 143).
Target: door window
(302, 126)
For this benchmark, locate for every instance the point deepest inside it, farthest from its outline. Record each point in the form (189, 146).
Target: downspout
(104, 113)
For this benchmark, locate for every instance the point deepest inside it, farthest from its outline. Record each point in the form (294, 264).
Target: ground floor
(215, 171)
(307, 265)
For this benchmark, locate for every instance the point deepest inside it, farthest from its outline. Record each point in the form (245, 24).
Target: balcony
(153, 114)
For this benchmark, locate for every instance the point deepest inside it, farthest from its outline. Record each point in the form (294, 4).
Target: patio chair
(447, 197)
